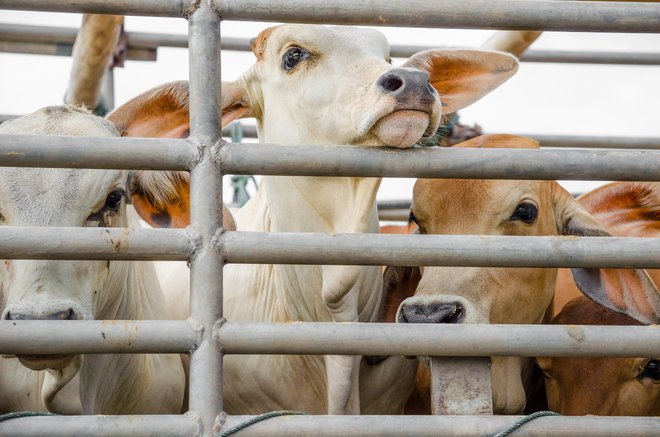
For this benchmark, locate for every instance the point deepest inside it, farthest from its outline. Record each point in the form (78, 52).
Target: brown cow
(623, 386)
(493, 295)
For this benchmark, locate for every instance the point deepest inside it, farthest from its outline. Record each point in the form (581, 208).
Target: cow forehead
(324, 39)
(54, 197)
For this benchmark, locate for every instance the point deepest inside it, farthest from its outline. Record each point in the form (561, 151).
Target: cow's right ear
(626, 291)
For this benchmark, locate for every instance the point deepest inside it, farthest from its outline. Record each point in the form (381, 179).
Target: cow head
(494, 294)
(600, 386)
(70, 290)
(314, 84)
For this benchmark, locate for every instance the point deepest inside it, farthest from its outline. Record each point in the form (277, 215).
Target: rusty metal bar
(441, 162)
(27, 337)
(459, 340)
(107, 153)
(95, 243)
(440, 250)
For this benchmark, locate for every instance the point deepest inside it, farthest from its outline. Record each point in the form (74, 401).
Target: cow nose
(57, 315)
(401, 82)
(434, 313)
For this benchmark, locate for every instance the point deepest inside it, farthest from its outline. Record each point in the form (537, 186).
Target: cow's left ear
(627, 291)
(462, 77)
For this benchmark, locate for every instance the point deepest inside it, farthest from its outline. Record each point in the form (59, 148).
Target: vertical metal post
(205, 213)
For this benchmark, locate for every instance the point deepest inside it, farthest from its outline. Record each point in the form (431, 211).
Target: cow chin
(43, 362)
(401, 128)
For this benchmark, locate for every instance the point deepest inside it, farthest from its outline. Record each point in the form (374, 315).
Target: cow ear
(162, 199)
(399, 283)
(627, 291)
(462, 77)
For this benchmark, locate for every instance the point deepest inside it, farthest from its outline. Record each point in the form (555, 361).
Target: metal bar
(446, 426)
(154, 8)
(149, 42)
(267, 159)
(27, 337)
(106, 152)
(205, 391)
(94, 243)
(394, 215)
(596, 142)
(440, 250)
(464, 14)
(101, 426)
(438, 339)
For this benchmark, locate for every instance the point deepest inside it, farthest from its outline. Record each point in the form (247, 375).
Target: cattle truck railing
(206, 336)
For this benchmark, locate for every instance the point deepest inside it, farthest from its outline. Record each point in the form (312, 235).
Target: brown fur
(258, 44)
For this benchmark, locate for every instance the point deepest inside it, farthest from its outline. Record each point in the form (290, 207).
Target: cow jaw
(43, 362)
(401, 128)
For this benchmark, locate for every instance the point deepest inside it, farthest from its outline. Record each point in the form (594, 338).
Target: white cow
(83, 290)
(326, 86)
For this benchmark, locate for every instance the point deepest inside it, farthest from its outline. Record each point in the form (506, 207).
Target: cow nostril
(391, 82)
(71, 315)
(436, 313)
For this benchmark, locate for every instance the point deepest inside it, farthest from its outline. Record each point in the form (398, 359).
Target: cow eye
(651, 370)
(114, 199)
(293, 56)
(526, 212)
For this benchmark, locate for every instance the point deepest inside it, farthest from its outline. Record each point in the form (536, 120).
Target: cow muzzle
(415, 100)
(452, 312)
(42, 362)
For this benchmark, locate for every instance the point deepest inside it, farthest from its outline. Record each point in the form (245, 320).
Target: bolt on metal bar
(465, 14)
(94, 243)
(460, 340)
(206, 213)
(441, 162)
(440, 250)
(446, 426)
(27, 337)
(154, 8)
(107, 153)
(101, 426)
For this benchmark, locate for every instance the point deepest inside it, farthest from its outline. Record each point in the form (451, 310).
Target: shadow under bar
(18, 242)
(440, 162)
(101, 426)
(464, 14)
(440, 250)
(96, 152)
(448, 426)
(27, 337)
(415, 339)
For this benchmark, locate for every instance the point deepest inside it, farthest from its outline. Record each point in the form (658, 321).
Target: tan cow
(490, 295)
(622, 386)
(326, 86)
(82, 290)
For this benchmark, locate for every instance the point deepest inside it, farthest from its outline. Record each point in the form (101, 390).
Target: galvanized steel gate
(207, 336)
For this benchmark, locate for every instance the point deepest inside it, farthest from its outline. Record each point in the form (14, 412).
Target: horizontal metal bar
(96, 152)
(150, 41)
(155, 8)
(446, 426)
(440, 162)
(440, 250)
(63, 49)
(595, 142)
(26, 337)
(465, 14)
(95, 243)
(101, 426)
(395, 215)
(438, 339)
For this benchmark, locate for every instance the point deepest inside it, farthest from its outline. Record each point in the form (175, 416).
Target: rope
(18, 415)
(523, 420)
(260, 418)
